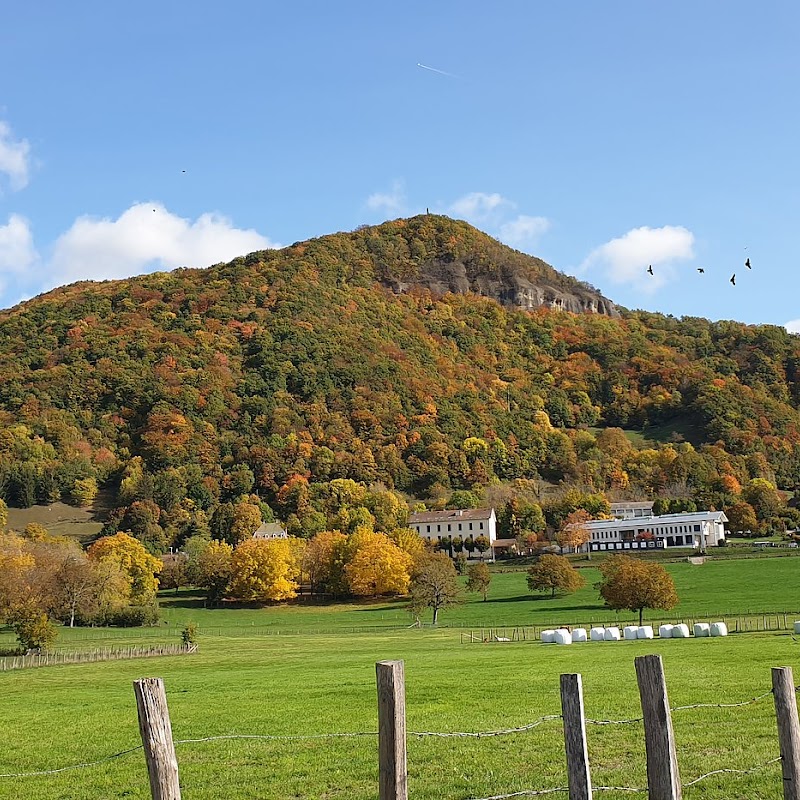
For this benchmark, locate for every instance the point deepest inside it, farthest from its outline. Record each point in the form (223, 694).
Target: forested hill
(342, 357)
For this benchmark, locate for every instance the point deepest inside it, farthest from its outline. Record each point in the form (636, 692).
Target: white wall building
(635, 510)
(700, 529)
(466, 523)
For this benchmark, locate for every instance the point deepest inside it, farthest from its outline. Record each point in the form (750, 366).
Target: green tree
(84, 491)
(479, 579)
(554, 573)
(434, 584)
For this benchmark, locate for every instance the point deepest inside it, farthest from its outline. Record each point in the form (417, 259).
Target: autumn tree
(130, 555)
(434, 584)
(741, 518)
(376, 565)
(478, 579)
(482, 544)
(82, 589)
(574, 532)
(323, 562)
(264, 570)
(636, 584)
(211, 569)
(554, 573)
(84, 491)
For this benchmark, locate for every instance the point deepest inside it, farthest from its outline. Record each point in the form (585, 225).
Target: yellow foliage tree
(409, 541)
(635, 584)
(213, 569)
(129, 554)
(264, 569)
(376, 565)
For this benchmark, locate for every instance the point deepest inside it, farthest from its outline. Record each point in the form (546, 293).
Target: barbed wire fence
(662, 769)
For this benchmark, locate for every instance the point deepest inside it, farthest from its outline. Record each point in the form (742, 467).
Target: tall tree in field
(434, 584)
(376, 565)
(323, 562)
(264, 569)
(635, 584)
(478, 579)
(554, 574)
(132, 558)
(211, 568)
(574, 533)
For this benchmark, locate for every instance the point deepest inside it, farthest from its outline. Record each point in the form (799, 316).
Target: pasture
(289, 670)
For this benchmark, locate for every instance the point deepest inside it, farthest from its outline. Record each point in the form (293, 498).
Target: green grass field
(296, 681)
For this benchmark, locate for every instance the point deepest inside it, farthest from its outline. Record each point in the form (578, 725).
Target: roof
(664, 519)
(636, 504)
(270, 530)
(457, 515)
(504, 543)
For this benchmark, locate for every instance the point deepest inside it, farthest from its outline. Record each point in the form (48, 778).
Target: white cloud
(793, 326)
(17, 253)
(14, 158)
(479, 206)
(524, 230)
(145, 238)
(392, 203)
(626, 258)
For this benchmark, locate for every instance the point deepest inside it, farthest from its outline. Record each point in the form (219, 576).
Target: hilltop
(414, 354)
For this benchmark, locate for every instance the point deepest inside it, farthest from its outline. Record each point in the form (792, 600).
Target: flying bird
(747, 263)
(440, 71)
(733, 279)
(650, 269)
(700, 270)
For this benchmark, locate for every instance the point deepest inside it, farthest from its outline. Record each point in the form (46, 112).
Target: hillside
(343, 357)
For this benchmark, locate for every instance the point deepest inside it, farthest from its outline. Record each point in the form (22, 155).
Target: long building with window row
(700, 529)
(466, 523)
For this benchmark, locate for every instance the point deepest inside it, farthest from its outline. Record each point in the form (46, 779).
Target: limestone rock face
(509, 285)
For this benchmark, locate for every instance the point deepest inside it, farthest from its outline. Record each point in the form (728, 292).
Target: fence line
(91, 656)
(663, 778)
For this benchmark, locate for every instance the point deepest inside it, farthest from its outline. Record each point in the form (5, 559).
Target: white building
(635, 510)
(700, 529)
(466, 523)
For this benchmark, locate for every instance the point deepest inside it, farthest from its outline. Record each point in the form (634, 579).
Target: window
(449, 527)
(427, 529)
(470, 526)
(697, 529)
(481, 526)
(438, 527)
(459, 526)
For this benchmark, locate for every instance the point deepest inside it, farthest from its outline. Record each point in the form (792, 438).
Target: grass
(59, 519)
(297, 681)
(322, 684)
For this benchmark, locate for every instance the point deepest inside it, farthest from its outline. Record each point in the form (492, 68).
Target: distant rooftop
(469, 514)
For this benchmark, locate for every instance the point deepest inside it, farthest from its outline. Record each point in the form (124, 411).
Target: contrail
(440, 71)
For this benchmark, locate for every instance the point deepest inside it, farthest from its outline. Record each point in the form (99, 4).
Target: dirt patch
(59, 519)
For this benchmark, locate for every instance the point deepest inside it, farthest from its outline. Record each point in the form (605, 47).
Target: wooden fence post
(580, 781)
(156, 731)
(788, 730)
(663, 778)
(393, 775)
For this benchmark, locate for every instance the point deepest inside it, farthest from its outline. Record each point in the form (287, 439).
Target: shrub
(134, 616)
(189, 633)
(35, 632)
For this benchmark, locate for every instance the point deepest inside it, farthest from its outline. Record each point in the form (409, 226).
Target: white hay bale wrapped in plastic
(702, 629)
(719, 629)
(680, 631)
(797, 626)
(597, 634)
(548, 637)
(644, 632)
(579, 635)
(563, 636)
(612, 634)
(665, 631)
(630, 631)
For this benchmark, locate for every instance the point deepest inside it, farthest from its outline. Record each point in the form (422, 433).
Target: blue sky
(602, 137)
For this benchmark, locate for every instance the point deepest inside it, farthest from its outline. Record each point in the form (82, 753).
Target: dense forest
(319, 384)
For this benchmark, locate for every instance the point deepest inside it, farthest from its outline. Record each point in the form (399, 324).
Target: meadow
(296, 680)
